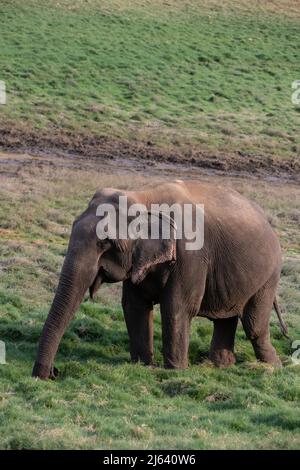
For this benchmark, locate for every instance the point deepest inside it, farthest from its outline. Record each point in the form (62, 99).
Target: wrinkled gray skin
(235, 275)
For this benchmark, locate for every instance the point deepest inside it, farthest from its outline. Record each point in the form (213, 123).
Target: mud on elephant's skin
(234, 275)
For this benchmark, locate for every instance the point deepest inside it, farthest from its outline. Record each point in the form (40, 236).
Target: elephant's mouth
(95, 285)
(102, 277)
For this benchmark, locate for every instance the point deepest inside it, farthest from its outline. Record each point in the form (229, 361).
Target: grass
(101, 400)
(215, 76)
(187, 74)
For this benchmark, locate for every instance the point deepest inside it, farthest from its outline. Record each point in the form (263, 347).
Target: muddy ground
(86, 151)
(13, 163)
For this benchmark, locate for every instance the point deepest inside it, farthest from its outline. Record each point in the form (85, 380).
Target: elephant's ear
(149, 252)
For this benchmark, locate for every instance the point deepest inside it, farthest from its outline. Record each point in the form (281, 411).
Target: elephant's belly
(234, 311)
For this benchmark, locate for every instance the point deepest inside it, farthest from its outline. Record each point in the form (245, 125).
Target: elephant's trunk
(72, 286)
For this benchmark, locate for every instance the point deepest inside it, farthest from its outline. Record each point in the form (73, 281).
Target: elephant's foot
(275, 362)
(176, 364)
(222, 357)
(146, 360)
(267, 355)
(44, 372)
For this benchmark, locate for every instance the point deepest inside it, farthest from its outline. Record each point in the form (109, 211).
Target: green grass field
(178, 73)
(208, 75)
(101, 400)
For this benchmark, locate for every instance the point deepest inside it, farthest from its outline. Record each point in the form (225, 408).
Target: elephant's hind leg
(222, 344)
(256, 319)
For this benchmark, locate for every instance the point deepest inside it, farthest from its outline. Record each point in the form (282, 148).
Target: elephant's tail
(283, 326)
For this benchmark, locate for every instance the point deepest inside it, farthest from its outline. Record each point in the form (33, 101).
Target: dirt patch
(104, 150)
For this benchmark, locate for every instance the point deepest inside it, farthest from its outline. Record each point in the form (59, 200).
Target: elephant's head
(89, 262)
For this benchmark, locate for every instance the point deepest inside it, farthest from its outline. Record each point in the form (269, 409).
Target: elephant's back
(226, 207)
(241, 251)
(242, 248)
(228, 214)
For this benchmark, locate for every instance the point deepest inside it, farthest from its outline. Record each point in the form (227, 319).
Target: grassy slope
(218, 77)
(101, 400)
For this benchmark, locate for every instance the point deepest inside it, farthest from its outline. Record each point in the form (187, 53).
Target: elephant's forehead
(104, 193)
(107, 193)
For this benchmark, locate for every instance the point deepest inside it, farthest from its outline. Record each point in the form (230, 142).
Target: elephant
(233, 276)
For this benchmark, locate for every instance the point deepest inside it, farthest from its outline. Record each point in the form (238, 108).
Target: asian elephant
(234, 275)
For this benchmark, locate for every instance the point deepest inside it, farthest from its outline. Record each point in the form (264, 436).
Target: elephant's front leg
(175, 335)
(139, 321)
